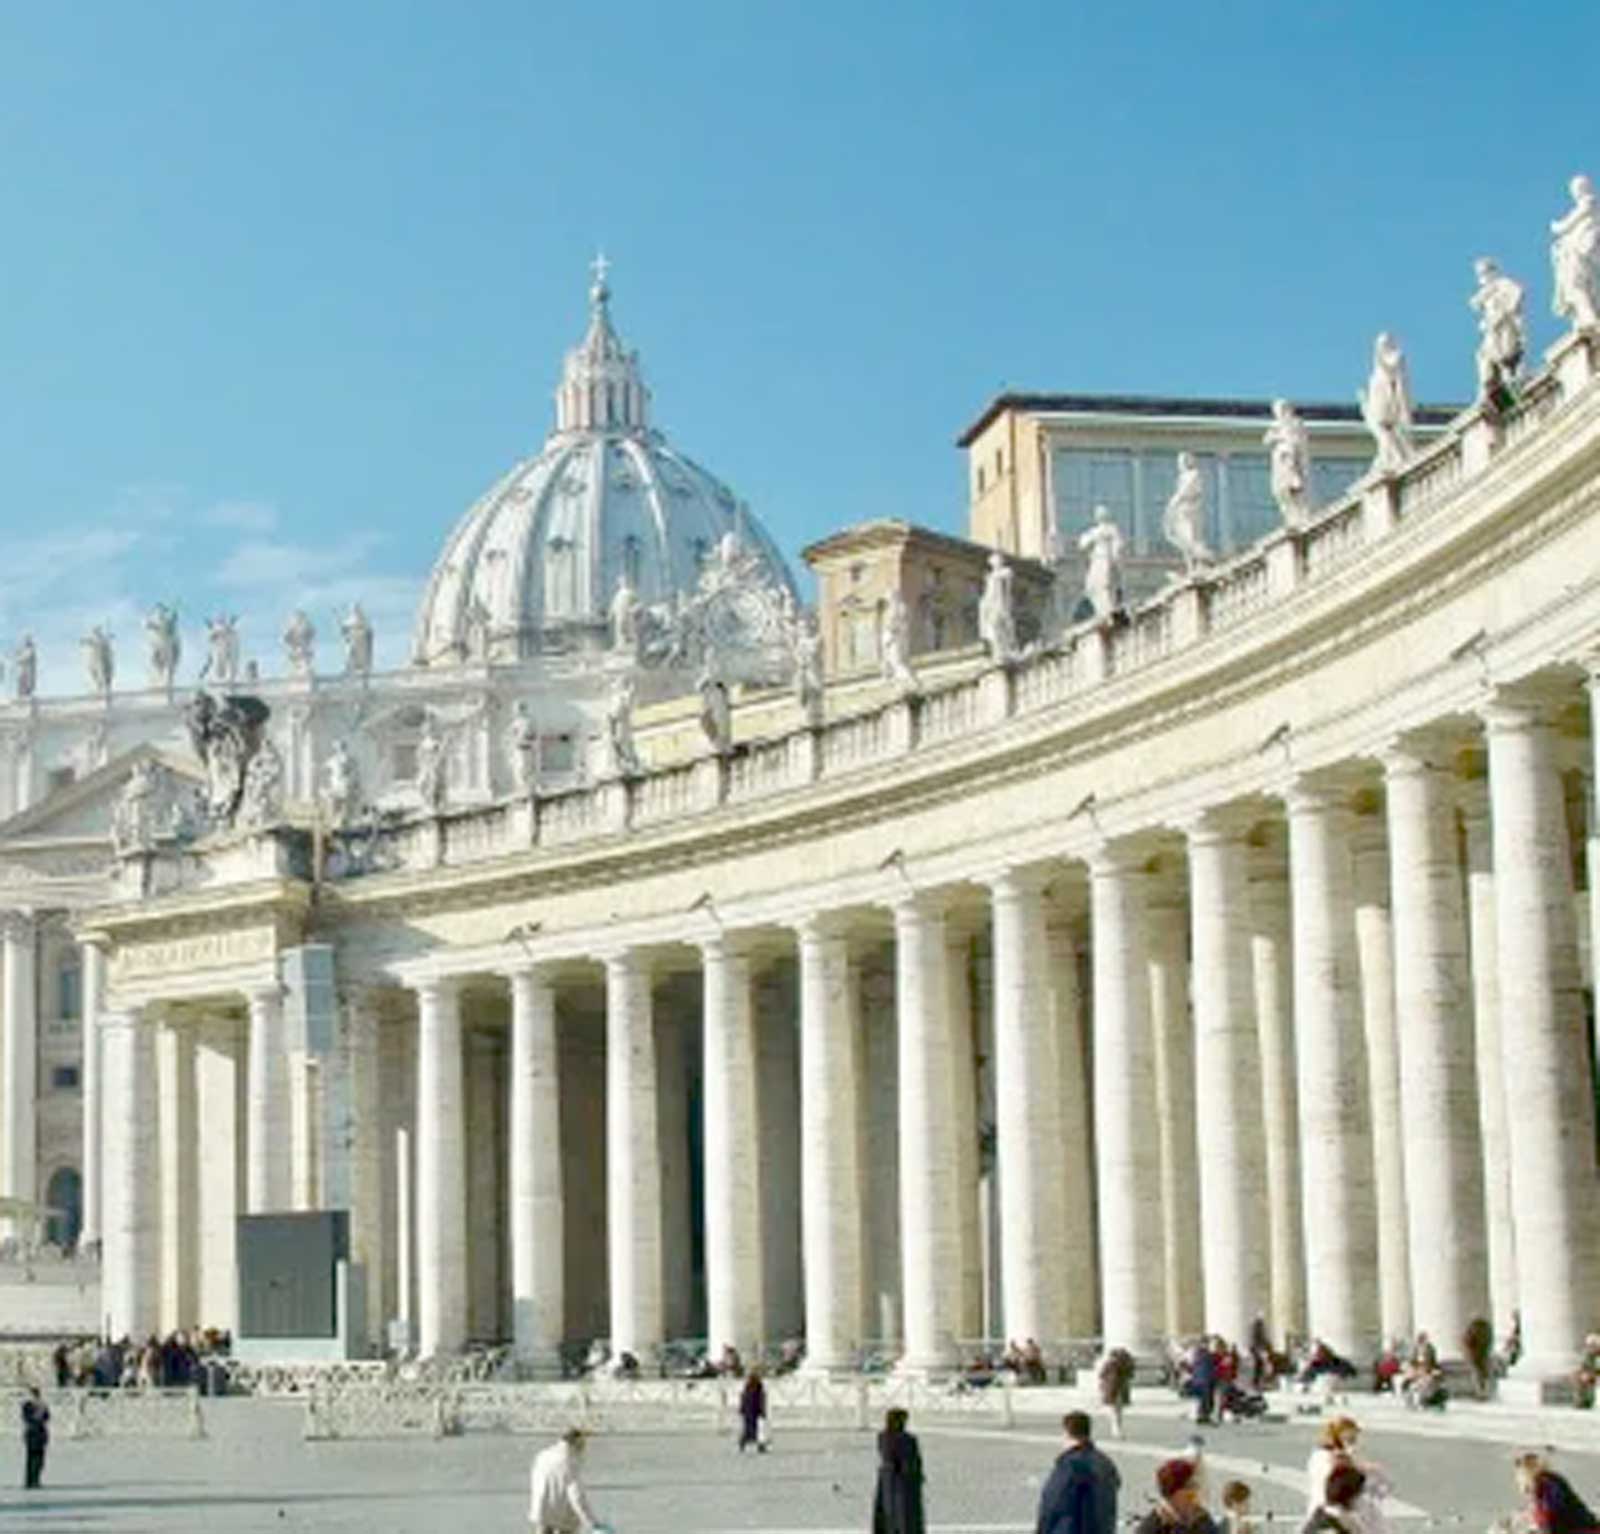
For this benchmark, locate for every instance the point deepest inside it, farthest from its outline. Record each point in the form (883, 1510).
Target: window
(1331, 477)
(64, 1078)
(60, 777)
(1252, 511)
(1086, 478)
(980, 479)
(1160, 479)
(403, 766)
(69, 991)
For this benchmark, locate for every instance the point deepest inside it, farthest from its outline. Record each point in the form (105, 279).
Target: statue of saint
(432, 766)
(716, 713)
(261, 804)
(134, 816)
(997, 619)
(894, 645)
(341, 785)
(1575, 254)
(300, 643)
(1502, 331)
(98, 660)
(357, 634)
(25, 668)
(165, 645)
(1290, 451)
(808, 682)
(625, 618)
(1184, 520)
(1101, 546)
(476, 624)
(523, 748)
(222, 650)
(1386, 405)
(622, 755)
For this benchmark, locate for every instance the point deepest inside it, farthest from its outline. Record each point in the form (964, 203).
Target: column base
(1536, 1387)
(542, 1365)
(925, 1368)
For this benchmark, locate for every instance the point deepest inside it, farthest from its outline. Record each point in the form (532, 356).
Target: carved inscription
(205, 950)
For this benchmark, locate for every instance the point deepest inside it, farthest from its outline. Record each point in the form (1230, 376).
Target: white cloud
(258, 517)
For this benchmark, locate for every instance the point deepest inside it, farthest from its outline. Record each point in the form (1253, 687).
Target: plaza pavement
(254, 1471)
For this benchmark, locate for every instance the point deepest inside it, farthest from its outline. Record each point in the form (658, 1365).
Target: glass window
(1331, 477)
(64, 1078)
(1159, 477)
(69, 983)
(1085, 479)
(1252, 513)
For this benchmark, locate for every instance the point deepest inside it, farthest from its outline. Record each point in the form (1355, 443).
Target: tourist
(1550, 1504)
(897, 1504)
(1081, 1495)
(558, 1503)
(1323, 1361)
(1336, 1446)
(1115, 1375)
(1586, 1375)
(753, 1427)
(1263, 1363)
(1236, 1517)
(35, 1437)
(1202, 1382)
(1180, 1504)
(1477, 1347)
(1336, 1507)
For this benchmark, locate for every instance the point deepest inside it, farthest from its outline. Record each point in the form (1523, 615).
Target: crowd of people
(179, 1360)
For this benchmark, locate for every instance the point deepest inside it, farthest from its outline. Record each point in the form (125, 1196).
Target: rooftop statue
(625, 618)
(222, 650)
(226, 733)
(1575, 254)
(894, 645)
(1386, 405)
(432, 765)
(523, 748)
(622, 757)
(135, 818)
(357, 634)
(1290, 450)
(25, 668)
(1183, 522)
(300, 643)
(165, 645)
(1502, 331)
(99, 661)
(1101, 545)
(477, 629)
(340, 792)
(716, 713)
(997, 618)
(261, 804)
(808, 682)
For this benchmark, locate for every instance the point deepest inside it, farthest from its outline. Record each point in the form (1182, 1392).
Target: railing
(90, 1413)
(1430, 479)
(1542, 398)
(667, 794)
(1050, 678)
(569, 817)
(1334, 539)
(766, 767)
(852, 742)
(1242, 590)
(483, 834)
(1147, 639)
(950, 712)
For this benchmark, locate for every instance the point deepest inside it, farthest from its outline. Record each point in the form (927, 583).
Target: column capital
(626, 961)
(1108, 859)
(913, 906)
(1218, 825)
(263, 995)
(436, 988)
(1319, 792)
(16, 926)
(1519, 707)
(822, 927)
(724, 946)
(1424, 750)
(1020, 881)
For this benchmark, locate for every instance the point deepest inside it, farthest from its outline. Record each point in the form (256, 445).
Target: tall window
(69, 991)
(1086, 478)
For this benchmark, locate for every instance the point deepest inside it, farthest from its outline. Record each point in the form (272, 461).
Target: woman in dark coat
(752, 1412)
(897, 1508)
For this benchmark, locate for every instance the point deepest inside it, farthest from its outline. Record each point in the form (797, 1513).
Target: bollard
(197, 1422)
(1009, 1411)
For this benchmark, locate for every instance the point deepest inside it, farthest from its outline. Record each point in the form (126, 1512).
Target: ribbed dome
(535, 563)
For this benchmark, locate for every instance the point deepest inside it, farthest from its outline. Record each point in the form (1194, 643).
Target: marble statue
(808, 682)
(1386, 405)
(476, 625)
(894, 644)
(1575, 254)
(1290, 450)
(222, 650)
(165, 645)
(225, 734)
(432, 765)
(300, 643)
(135, 816)
(1502, 331)
(357, 634)
(261, 804)
(99, 661)
(1101, 546)
(716, 712)
(625, 618)
(341, 786)
(622, 756)
(523, 748)
(25, 668)
(997, 618)
(1183, 522)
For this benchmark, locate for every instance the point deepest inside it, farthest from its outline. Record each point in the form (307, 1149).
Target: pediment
(82, 811)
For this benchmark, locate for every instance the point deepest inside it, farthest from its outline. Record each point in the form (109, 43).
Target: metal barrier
(127, 1413)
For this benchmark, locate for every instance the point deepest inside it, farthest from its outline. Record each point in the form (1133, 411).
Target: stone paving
(255, 1472)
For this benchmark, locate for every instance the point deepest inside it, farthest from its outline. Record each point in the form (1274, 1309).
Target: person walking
(1551, 1505)
(753, 1427)
(1115, 1376)
(1180, 1507)
(1336, 1511)
(35, 1437)
(1337, 1445)
(1081, 1495)
(558, 1504)
(897, 1505)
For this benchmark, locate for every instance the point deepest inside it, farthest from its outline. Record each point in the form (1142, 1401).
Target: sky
(284, 286)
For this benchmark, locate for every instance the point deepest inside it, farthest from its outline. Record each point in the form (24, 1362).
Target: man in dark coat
(35, 1436)
(897, 1507)
(1081, 1495)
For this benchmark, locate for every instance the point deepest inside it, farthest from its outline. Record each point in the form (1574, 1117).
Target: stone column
(930, 1248)
(633, 1158)
(732, 1142)
(267, 1116)
(1272, 968)
(131, 1231)
(441, 1208)
(1545, 1057)
(94, 989)
(178, 1139)
(1494, 1129)
(1341, 1236)
(217, 1193)
(19, 1173)
(1167, 948)
(830, 1149)
(1434, 1024)
(353, 1169)
(1227, 1079)
(964, 1126)
(538, 1304)
(1028, 1125)
(1375, 963)
(1128, 1160)
(1073, 1164)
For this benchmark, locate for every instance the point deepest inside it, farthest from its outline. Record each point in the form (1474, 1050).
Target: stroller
(1233, 1400)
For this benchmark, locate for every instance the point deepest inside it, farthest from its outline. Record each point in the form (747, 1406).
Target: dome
(534, 564)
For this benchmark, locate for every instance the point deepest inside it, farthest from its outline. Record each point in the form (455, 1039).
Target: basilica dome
(535, 563)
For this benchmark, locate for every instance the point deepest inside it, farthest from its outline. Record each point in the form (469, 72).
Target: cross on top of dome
(601, 388)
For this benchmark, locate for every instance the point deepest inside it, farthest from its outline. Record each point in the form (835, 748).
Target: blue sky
(283, 286)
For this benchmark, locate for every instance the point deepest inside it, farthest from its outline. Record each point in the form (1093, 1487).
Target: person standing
(558, 1503)
(897, 1506)
(1081, 1495)
(1115, 1376)
(35, 1437)
(753, 1413)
